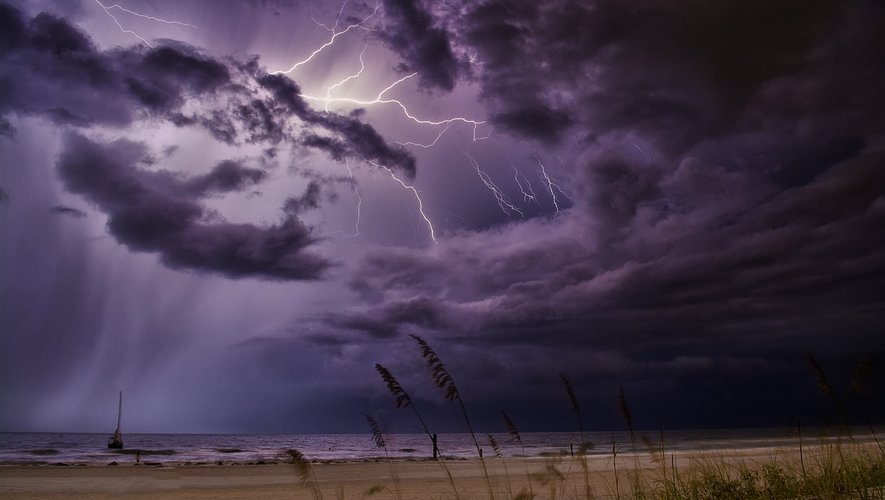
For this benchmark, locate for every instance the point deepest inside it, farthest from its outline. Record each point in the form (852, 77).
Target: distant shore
(545, 476)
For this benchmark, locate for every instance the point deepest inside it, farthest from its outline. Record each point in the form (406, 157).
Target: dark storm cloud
(6, 129)
(726, 212)
(744, 233)
(534, 120)
(424, 48)
(700, 244)
(336, 149)
(386, 322)
(285, 92)
(224, 177)
(309, 200)
(679, 72)
(52, 69)
(157, 211)
(695, 273)
(69, 211)
(351, 137)
(363, 141)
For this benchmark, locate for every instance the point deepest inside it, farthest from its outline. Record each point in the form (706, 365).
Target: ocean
(77, 448)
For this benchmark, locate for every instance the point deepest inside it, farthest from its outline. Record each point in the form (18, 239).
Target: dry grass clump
(848, 473)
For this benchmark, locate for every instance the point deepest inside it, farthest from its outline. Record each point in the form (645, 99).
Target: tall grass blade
(378, 438)
(497, 451)
(443, 379)
(512, 430)
(628, 418)
(826, 388)
(404, 400)
(494, 444)
(573, 399)
(402, 397)
(571, 393)
(305, 471)
(820, 376)
(860, 375)
(862, 372)
(515, 436)
(625, 408)
(438, 372)
(377, 435)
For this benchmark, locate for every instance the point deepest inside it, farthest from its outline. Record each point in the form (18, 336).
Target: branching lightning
(359, 200)
(430, 145)
(647, 157)
(346, 79)
(413, 190)
(526, 196)
(503, 200)
(107, 9)
(335, 34)
(379, 99)
(551, 186)
(529, 195)
(329, 99)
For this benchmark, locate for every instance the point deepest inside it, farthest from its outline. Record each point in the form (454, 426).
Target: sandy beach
(559, 477)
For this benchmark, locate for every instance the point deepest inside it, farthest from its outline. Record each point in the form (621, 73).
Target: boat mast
(116, 441)
(119, 412)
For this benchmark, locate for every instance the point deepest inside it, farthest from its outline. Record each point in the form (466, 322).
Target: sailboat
(116, 441)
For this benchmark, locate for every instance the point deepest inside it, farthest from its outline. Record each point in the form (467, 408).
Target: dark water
(75, 448)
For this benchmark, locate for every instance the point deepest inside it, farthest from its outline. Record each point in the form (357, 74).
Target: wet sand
(357, 480)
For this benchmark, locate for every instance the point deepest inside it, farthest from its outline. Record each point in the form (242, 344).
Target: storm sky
(232, 210)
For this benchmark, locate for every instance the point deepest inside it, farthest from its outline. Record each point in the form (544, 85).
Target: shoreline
(744, 450)
(154, 457)
(76, 448)
(414, 478)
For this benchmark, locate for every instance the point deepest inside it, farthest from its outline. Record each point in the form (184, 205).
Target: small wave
(228, 450)
(561, 453)
(134, 451)
(42, 452)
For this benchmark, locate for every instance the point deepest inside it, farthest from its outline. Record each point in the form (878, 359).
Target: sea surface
(76, 448)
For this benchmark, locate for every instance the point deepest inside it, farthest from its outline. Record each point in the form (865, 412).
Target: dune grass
(835, 465)
(835, 471)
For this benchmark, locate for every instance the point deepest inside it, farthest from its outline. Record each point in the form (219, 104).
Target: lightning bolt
(526, 196)
(107, 9)
(335, 35)
(430, 145)
(413, 190)
(379, 99)
(647, 157)
(359, 199)
(550, 185)
(328, 100)
(529, 195)
(347, 78)
(359, 204)
(504, 202)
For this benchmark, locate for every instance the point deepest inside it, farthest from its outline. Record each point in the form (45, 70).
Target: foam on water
(35, 448)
